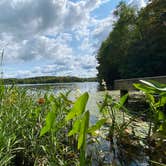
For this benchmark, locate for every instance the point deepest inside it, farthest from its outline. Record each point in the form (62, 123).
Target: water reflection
(76, 88)
(90, 87)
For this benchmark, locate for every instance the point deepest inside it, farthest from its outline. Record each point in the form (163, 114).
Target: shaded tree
(114, 49)
(147, 56)
(136, 45)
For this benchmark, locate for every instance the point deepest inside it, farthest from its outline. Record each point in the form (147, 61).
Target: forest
(136, 45)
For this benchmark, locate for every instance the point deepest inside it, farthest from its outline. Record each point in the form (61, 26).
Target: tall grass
(22, 117)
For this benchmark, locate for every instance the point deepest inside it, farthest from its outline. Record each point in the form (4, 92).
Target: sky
(54, 37)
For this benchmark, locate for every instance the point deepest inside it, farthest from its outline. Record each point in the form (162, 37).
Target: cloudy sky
(54, 37)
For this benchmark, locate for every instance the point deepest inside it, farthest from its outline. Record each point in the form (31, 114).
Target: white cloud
(84, 66)
(26, 18)
(138, 3)
(93, 4)
(103, 28)
(37, 48)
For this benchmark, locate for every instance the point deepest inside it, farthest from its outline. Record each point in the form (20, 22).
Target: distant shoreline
(48, 80)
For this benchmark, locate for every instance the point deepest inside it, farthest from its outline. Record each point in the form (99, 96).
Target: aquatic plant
(156, 97)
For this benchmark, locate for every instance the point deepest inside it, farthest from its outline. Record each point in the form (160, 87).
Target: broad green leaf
(163, 94)
(76, 127)
(163, 101)
(50, 118)
(78, 107)
(83, 129)
(151, 98)
(146, 89)
(154, 84)
(161, 115)
(123, 99)
(97, 126)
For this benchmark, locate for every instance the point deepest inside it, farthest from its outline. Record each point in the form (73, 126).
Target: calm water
(90, 87)
(76, 88)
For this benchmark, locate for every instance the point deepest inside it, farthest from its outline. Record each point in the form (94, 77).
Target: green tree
(136, 45)
(114, 49)
(147, 54)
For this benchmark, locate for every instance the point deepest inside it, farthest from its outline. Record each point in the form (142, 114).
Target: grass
(22, 117)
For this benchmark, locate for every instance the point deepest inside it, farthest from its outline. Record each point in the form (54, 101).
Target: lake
(90, 87)
(76, 88)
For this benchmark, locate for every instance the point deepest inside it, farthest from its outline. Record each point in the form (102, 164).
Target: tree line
(136, 46)
(47, 79)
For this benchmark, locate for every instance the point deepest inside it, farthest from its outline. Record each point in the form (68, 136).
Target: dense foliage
(136, 45)
(46, 79)
(156, 97)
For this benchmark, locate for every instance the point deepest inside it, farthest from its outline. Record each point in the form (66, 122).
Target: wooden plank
(127, 84)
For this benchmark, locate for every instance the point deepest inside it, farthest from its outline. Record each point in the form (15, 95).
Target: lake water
(90, 87)
(76, 88)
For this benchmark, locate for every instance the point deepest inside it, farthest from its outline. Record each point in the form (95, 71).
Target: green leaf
(151, 98)
(161, 115)
(154, 84)
(104, 103)
(123, 100)
(83, 130)
(146, 89)
(161, 128)
(65, 98)
(157, 163)
(163, 101)
(97, 126)
(163, 94)
(50, 118)
(78, 107)
(76, 127)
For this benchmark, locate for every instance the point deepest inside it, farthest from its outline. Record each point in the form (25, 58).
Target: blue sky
(54, 37)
